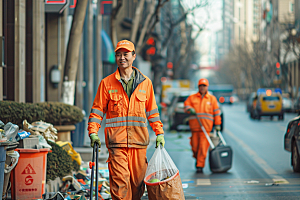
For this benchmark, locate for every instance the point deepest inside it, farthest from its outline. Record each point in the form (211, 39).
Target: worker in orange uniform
(127, 98)
(205, 106)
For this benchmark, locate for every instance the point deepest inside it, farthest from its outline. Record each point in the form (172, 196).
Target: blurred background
(60, 50)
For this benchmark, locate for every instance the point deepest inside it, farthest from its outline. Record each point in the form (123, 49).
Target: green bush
(56, 113)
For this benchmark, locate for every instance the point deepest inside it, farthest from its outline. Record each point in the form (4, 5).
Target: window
(270, 98)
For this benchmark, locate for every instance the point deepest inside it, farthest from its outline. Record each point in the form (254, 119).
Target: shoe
(199, 170)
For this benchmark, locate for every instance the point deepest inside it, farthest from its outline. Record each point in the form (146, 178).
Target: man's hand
(94, 138)
(218, 127)
(160, 140)
(191, 111)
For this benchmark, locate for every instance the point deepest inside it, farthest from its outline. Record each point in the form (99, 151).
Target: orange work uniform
(208, 111)
(126, 133)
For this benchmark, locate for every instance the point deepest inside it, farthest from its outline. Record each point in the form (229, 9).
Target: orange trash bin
(28, 178)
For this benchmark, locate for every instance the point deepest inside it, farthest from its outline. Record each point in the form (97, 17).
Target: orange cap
(203, 81)
(125, 44)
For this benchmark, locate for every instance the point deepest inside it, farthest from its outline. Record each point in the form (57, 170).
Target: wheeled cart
(92, 166)
(220, 156)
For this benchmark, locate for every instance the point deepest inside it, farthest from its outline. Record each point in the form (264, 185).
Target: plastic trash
(11, 131)
(22, 134)
(14, 155)
(53, 196)
(43, 142)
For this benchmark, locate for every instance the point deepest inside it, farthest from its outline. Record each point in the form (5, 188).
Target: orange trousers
(127, 168)
(200, 147)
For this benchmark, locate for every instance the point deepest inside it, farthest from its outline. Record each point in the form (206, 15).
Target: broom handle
(205, 133)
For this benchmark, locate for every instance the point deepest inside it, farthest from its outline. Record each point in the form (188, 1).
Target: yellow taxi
(269, 103)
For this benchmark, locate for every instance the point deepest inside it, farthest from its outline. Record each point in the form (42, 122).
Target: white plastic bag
(11, 131)
(162, 177)
(43, 142)
(14, 158)
(161, 166)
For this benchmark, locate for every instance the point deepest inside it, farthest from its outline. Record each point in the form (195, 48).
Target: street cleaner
(127, 98)
(205, 106)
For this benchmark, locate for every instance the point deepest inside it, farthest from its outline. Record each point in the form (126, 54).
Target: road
(261, 167)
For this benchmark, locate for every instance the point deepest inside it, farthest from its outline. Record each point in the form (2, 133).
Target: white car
(287, 104)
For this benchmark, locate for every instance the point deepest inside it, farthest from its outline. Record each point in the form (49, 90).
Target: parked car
(250, 100)
(269, 103)
(297, 105)
(292, 142)
(227, 98)
(287, 104)
(178, 119)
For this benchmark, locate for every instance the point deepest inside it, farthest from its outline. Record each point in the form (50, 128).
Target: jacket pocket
(208, 107)
(115, 105)
(141, 103)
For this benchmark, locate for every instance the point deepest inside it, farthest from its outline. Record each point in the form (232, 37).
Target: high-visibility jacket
(126, 121)
(207, 110)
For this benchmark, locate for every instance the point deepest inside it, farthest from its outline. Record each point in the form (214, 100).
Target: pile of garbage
(74, 185)
(10, 133)
(77, 186)
(41, 128)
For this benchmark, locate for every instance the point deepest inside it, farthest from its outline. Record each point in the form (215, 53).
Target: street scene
(261, 168)
(149, 99)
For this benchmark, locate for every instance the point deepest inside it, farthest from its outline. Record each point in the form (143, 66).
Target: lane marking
(203, 182)
(293, 182)
(269, 170)
(280, 181)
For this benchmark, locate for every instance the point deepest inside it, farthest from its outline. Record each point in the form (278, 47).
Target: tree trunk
(136, 22)
(145, 27)
(117, 4)
(71, 64)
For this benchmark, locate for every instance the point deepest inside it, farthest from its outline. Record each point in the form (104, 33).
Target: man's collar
(118, 74)
(200, 95)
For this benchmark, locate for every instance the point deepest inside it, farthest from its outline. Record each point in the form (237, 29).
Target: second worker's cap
(203, 81)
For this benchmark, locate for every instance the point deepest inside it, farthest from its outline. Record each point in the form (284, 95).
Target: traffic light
(278, 69)
(149, 50)
(170, 65)
(150, 41)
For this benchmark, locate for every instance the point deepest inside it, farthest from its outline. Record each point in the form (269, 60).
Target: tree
(176, 38)
(72, 56)
(117, 4)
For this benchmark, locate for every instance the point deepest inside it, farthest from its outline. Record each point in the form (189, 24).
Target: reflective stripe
(186, 108)
(215, 110)
(155, 119)
(118, 124)
(193, 117)
(98, 112)
(151, 112)
(119, 119)
(207, 114)
(217, 114)
(95, 120)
